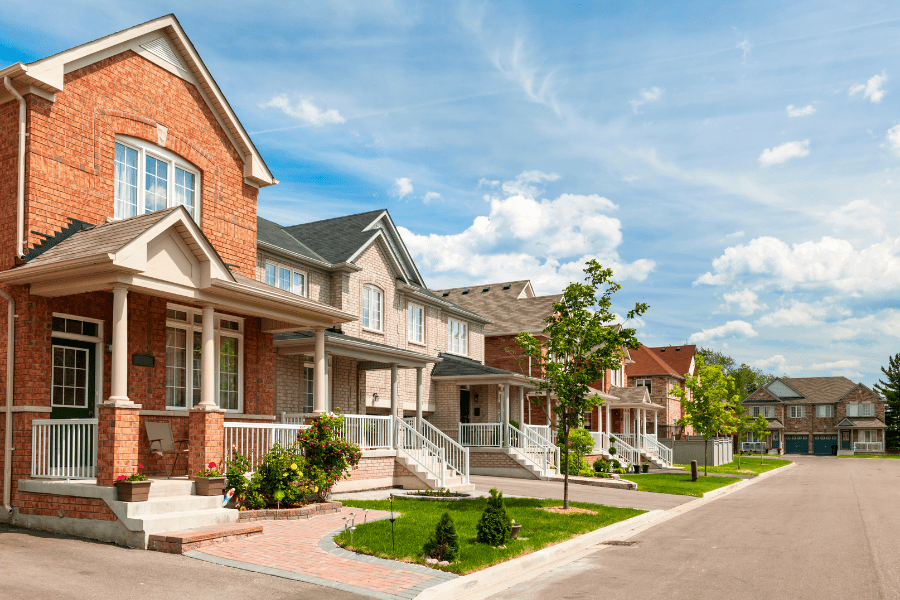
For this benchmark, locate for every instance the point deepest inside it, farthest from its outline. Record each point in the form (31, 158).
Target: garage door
(822, 443)
(796, 444)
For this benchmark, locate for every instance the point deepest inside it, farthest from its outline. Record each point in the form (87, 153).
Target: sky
(736, 164)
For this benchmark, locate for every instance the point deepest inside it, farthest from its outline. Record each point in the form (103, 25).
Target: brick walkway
(303, 550)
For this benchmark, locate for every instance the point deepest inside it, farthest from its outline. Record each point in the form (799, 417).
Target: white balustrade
(480, 434)
(867, 447)
(254, 440)
(369, 432)
(64, 448)
(414, 445)
(751, 446)
(540, 430)
(625, 452)
(534, 448)
(456, 455)
(653, 447)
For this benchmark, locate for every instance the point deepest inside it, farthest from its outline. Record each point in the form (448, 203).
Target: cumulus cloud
(858, 216)
(871, 89)
(893, 138)
(645, 97)
(836, 365)
(305, 110)
(429, 197)
(746, 301)
(403, 187)
(729, 329)
(805, 111)
(784, 153)
(797, 313)
(525, 236)
(777, 363)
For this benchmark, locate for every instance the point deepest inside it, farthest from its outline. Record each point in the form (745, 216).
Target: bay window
(458, 337)
(372, 308)
(149, 178)
(416, 324)
(285, 278)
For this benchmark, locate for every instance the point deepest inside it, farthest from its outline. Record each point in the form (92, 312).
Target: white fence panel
(480, 434)
(254, 440)
(64, 448)
(367, 431)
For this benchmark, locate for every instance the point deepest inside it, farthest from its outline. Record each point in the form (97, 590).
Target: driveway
(827, 528)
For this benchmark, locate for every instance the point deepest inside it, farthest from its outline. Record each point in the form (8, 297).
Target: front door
(72, 382)
(463, 406)
(845, 440)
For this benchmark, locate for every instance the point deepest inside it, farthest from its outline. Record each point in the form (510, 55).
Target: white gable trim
(398, 243)
(392, 258)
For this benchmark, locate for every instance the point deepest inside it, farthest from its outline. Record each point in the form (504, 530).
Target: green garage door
(822, 443)
(796, 444)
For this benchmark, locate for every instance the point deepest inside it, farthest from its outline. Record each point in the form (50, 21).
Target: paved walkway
(303, 550)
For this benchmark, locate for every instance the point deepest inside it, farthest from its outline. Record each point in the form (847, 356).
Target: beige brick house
(807, 415)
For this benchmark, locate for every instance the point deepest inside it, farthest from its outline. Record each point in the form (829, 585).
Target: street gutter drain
(619, 543)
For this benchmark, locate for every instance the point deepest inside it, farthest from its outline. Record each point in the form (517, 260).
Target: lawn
(539, 529)
(676, 483)
(869, 456)
(750, 465)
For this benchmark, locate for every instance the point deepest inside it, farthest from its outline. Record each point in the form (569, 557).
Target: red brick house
(660, 370)
(128, 253)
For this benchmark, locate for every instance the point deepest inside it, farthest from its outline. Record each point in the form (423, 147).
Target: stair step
(171, 504)
(164, 488)
(179, 542)
(188, 519)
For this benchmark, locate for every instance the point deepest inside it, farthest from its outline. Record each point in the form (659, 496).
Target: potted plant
(514, 532)
(134, 487)
(209, 481)
(645, 468)
(637, 468)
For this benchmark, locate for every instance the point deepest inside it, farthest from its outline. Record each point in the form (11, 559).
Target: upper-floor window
(766, 411)
(285, 278)
(643, 383)
(457, 337)
(149, 178)
(866, 409)
(372, 308)
(826, 410)
(796, 412)
(415, 324)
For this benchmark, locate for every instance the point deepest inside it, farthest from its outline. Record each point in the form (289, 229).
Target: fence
(719, 451)
(480, 434)
(254, 440)
(367, 431)
(64, 448)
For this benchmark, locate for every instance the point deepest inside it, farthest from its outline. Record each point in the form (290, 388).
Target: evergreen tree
(890, 390)
(494, 525)
(444, 542)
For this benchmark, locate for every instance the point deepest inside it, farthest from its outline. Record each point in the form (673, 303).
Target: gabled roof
(631, 395)
(680, 358)
(466, 370)
(775, 424)
(163, 42)
(862, 423)
(647, 362)
(824, 390)
(274, 234)
(511, 306)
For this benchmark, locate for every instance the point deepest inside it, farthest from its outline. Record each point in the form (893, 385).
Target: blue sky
(737, 165)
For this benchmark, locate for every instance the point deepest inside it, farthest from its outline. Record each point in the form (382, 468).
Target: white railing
(64, 448)
(652, 446)
(414, 445)
(540, 430)
(480, 434)
(625, 452)
(367, 431)
(254, 440)
(535, 449)
(751, 446)
(457, 456)
(867, 447)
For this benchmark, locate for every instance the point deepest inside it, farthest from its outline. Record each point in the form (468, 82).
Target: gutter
(20, 191)
(10, 366)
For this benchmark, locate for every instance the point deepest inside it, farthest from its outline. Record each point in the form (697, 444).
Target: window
(796, 412)
(867, 409)
(458, 337)
(416, 324)
(74, 326)
(372, 307)
(70, 369)
(644, 383)
(149, 178)
(868, 436)
(307, 386)
(825, 411)
(766, 411)
(286, 279)
(754, 412)
(184, 353)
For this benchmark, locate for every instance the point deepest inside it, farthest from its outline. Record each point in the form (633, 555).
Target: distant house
(661, 370)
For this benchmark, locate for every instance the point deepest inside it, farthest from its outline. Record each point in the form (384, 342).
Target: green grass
(676, 483)
(869, 456)
(541, 528)
(750, 465)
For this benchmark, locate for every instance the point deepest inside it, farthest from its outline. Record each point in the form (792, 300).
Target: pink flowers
(120, 478)
(212, 465)
(140, 466)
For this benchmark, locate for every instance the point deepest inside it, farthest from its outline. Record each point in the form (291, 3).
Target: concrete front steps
(529, 466)
(452, 480)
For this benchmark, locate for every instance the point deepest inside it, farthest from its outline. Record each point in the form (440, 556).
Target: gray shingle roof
(825, 390)
(862, 422)
(457, 366)
(274, 234)
(504, 307)
(336, 240)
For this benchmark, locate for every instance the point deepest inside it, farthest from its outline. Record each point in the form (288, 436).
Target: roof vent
(507, 286)
(486, 289)
(445, 294)
(678, 347)
(161, 48)
(465, 291)
(662, 349)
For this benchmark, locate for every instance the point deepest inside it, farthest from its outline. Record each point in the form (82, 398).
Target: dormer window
(149, 178)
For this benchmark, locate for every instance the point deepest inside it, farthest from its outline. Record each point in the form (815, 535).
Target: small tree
(890, 390)
(494, 525)
(444, 542)
(580, 343)
(580, 445)
(328, 456)
(708, 407)
(759, 427)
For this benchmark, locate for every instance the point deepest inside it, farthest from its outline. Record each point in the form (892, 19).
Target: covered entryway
(822, 443)
(796, 444)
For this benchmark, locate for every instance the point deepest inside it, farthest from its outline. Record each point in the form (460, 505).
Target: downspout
(10, 364)
(20, 191)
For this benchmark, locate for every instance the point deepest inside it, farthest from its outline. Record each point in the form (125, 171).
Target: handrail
(64, 448)
(457, 455)
(652, 445)
(417, 447)
(480, 434)
(367, 431)
(534, 448)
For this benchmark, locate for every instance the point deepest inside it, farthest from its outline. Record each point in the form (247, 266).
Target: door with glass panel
(68, 447)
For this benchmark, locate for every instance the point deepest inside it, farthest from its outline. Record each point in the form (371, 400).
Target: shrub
(580, 444)
(615, 464)
(279, 478)
(621, 471)
(515, 424)
(444, 542)
(612, 450)
(600, 465)
(328, 456)
(494, 525)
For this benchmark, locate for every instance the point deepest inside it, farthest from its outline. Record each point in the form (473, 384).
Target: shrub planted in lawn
(601, 466)
(444, 542)
(494, 525)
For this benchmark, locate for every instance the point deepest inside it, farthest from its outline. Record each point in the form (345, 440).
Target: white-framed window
(307, 386)
(183, 358)
(149, 178)
(415, 323)
(457, 337)
(286, 278)
(867, 409)
(796, 412)
(372, 308)
(868, 435)
(825, 410)
(644, 383)
(766, 411)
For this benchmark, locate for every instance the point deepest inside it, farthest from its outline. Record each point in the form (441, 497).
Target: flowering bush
(279, 478)
(328, 456)
(139, 476)
(209, 471)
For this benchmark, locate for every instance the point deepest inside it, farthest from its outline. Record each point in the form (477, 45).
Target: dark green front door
(845, 440)
(796, 444)
(463, 406)
(822, 443)
(72, 382)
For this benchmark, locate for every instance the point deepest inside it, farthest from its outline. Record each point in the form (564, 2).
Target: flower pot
(209, 486)
(637, 468)
(645, 468)
(133, 491)
(514, 532)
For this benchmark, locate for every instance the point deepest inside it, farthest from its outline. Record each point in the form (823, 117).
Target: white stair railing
(539, 430)
(414, 445)
(534, 449)
(367, 431)
(480, 434)
(625, 452)
(651, 446)
(254, 440)
(457, 455)
(64, 448)
(751, 446)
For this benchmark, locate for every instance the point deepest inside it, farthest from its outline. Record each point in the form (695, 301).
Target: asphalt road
(35, 565)
(826, 528)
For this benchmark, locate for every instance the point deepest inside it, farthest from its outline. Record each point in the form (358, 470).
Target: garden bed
(436, 497)
(286, 514)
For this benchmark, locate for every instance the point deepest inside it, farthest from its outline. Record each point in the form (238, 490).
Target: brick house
(660, 370)
(807, 415)
(128, 261)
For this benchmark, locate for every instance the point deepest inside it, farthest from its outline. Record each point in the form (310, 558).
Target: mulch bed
(568, 511)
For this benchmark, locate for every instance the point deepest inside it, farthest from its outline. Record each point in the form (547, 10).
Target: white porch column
(419, 399)
(505, 409)
(119, 374)
(395, 430)
(320, 388)
(608, 420)
(329, 379)
(208, 359)
(522, 408)
(547, 406)
(656, 424)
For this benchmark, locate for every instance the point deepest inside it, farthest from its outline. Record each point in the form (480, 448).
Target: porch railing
(254, 440)
(539, 430)
(480, 434)
(64, 448)
(367, 431)
(751, 446)
(534, 449)
(414, 445)
(652, 446)
(868, 447)
(457, 456)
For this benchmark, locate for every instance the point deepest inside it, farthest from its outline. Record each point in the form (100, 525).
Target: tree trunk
(705, 455)
(566, 462)
(739, 452)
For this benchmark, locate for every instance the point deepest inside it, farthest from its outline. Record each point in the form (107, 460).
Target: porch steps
(528, 465)
(179, 542)
(452, 481)
(172, 506)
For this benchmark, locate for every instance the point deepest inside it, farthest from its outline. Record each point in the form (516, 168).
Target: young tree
(709, 408)
(581, 343)
(742, 423)
(747, 379)
(759, 427)
(890, 389)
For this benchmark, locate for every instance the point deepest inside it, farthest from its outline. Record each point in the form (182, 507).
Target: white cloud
(871, 89)
(430, 197)
(731, 328)
(777, 363)
(403, 187)
(305, 110)
(797, 313)
(805, 111)
(746, 46)
(838, 364)
(746, 300)
(858, 216)
(784, 152)
(645, 97)
(893, 138)
(547, 241)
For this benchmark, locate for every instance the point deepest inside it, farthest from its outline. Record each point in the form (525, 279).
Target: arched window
(372, 308)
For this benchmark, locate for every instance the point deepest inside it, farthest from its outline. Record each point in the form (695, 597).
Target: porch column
(419, 399)
(522, 407)
(206, 421)
(207, 359)
(394, 404)
(547, 406)
(320, 389)
(505, 420)
(656, 424)
(608, 420)
(119, 375)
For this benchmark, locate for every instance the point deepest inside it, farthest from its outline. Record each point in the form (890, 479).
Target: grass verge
(679, 484)
(749, 466)
(539, 529)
